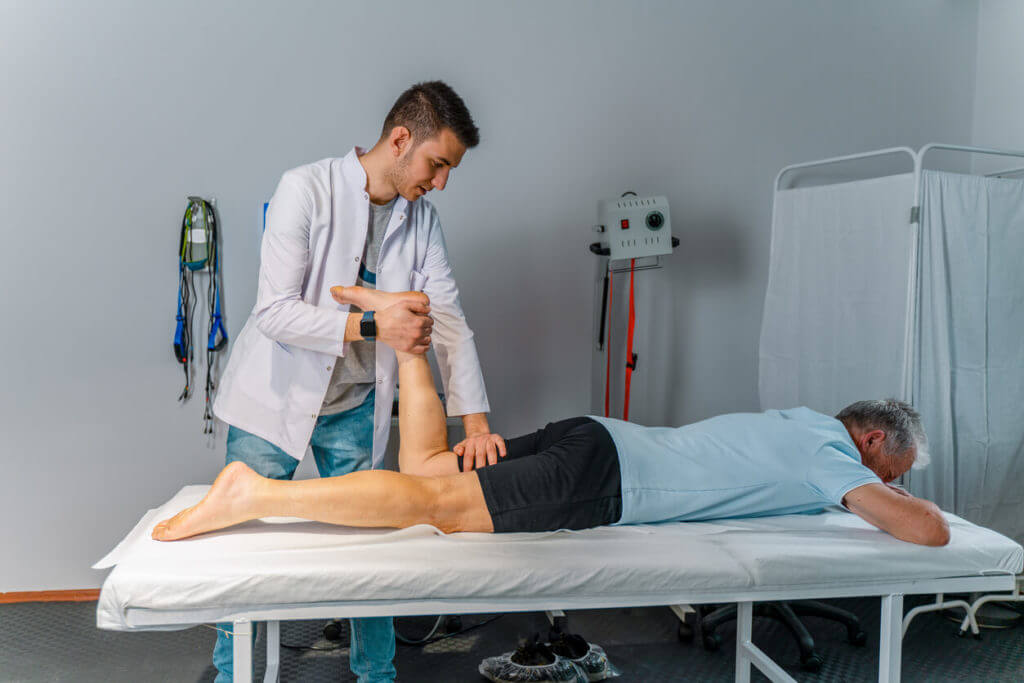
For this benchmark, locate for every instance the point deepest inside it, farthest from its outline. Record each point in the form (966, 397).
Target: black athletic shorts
(565, 476)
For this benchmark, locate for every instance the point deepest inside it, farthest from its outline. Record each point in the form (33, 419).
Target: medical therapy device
(197, 252)
(634, 228)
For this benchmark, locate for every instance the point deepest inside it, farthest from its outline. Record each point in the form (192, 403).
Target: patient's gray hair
(900, 422)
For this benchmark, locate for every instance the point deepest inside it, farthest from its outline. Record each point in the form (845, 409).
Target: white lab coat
(281, 363)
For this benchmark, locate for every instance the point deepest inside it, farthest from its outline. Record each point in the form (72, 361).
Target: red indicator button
(625, 224)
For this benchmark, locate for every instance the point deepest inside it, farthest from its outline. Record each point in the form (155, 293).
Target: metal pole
(890, 639)
(273, 652)
(744, 628)
(242, 651)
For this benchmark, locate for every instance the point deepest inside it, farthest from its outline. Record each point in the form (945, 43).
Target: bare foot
(228, 502)
(373, 299)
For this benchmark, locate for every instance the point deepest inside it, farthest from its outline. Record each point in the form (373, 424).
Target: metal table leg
(242, 651)
(890, 639)
(748, 654)
(273, 652)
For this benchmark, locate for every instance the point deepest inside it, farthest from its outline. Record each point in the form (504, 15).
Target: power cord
(445, 636)
(333, 632)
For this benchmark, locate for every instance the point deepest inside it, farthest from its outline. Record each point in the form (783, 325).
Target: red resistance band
(608, 349)
(630, 356)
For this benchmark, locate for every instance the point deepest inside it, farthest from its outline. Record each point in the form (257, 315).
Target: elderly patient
(591, 471)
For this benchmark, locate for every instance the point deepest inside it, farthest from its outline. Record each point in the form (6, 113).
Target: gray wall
(114, 111)
(999, 94)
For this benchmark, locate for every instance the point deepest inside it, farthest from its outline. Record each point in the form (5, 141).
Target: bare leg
(449, 500)
(422, 429)
(365, 499)
(423, 448)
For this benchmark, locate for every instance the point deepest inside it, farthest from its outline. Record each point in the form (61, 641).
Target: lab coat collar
(353, 170)
(355, 173)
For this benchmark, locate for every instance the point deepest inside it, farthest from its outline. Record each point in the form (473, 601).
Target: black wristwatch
(368, 326)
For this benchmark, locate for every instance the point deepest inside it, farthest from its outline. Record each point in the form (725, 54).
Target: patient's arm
(902, 515)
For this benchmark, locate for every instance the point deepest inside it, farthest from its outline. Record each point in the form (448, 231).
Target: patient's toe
(341, 295)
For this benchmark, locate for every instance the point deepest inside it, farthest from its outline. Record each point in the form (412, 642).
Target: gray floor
(59, 642)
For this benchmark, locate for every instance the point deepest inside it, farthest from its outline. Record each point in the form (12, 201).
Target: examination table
(283, 568)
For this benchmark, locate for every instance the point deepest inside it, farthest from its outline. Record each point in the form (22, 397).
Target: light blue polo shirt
(740, 465)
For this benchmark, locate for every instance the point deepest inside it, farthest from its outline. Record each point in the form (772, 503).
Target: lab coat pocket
(417, 281)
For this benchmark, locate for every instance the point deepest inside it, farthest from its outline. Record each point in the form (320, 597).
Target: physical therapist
(307, 371)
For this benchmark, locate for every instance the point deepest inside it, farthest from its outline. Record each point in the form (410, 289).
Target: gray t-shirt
(354, 375)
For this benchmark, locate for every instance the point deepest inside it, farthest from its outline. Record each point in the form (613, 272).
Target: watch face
(368, 329)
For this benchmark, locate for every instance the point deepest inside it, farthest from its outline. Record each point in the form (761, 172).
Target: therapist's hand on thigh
(479, 450)
(405, 326)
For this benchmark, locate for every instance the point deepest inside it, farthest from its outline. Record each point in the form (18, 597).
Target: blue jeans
(341, 444)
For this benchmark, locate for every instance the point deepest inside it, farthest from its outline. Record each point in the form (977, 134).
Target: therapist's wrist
(476, 423)
(352, 327)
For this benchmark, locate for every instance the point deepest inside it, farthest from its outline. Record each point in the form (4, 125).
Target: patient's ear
(870, 444)
(874, 439)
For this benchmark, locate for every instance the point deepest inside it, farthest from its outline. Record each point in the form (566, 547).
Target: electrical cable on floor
(314, 648)
(445, 636)
(290, 647)
(430, 638)
(419, 641)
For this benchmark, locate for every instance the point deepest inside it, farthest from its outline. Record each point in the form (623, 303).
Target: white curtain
(968, 368)
(835, 308)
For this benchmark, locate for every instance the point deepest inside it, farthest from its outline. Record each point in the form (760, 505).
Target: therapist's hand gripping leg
(403, 320)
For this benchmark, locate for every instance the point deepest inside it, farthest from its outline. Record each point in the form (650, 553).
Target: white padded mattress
(283, 561)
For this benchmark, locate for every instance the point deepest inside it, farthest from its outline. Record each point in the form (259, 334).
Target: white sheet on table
(286, 561)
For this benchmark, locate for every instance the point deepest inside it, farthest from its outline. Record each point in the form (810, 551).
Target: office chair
(710, 617)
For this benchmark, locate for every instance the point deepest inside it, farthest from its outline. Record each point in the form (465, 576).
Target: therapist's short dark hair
(427, 108)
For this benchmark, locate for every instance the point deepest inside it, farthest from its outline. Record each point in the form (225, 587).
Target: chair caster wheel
(332, 631)
(684, 633)
(812, 662)
(712, 642)
(860, 639)
(452, 623)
